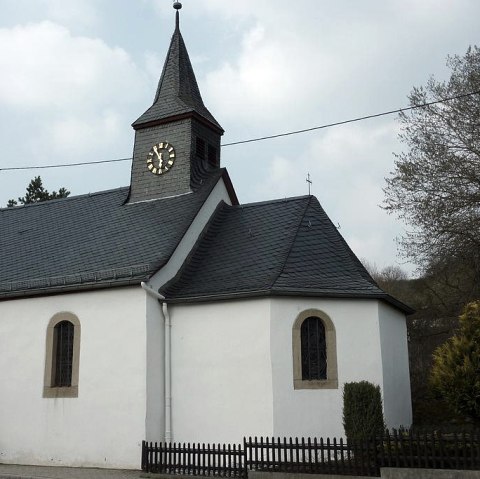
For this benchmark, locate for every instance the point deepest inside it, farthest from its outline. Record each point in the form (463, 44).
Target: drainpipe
(168, 359)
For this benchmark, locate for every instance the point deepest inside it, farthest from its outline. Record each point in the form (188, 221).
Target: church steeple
(177, 140)
(177, 92)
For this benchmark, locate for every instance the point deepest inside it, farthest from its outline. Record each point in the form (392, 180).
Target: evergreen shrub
(362, 410)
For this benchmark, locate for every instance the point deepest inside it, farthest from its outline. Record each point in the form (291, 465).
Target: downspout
(168, 359)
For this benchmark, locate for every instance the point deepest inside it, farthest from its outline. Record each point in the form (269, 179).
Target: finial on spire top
(177, 6)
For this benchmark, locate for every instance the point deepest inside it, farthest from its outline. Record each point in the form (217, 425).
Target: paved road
(40, 472)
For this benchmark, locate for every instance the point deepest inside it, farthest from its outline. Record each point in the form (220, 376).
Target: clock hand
(159, 155)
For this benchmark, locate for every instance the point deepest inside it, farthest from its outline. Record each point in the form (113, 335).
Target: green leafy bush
(362, 410)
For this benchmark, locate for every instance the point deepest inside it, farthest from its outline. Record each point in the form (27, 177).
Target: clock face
(160, 158)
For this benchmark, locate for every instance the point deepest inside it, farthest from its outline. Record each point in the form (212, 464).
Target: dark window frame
(212, 156)
(314, 349)
(64, 333)
(200, 148)
(57, 384)
(331, 381)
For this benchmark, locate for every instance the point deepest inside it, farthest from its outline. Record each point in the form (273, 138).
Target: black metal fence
(405, 448)
(312, 456)
(194, 459)
(430, 449)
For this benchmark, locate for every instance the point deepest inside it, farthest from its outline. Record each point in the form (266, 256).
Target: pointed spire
(177, 92)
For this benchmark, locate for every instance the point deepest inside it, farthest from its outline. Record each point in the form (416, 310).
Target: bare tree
(435, 187)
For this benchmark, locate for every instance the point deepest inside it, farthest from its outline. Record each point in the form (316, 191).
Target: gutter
(292, 292)
(168, 360)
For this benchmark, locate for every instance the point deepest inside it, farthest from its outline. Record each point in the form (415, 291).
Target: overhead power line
(82, 163)
(262, 138)
(353, 120)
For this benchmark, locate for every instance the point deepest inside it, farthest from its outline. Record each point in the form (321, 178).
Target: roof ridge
(356, 262)
(359, 265)
(292, 242)
(210, 225)
(207, 192)
(269, 202)
(68, 198)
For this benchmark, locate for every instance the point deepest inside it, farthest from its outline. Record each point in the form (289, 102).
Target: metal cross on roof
(309, 181)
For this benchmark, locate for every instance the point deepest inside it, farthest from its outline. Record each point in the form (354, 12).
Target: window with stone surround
(62, 356)
(314, 351)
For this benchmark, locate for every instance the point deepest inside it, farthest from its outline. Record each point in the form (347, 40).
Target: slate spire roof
(281, 247)
(177, 92)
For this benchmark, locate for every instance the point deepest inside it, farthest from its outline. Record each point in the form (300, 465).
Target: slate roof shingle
(280, 247)
(91, 240)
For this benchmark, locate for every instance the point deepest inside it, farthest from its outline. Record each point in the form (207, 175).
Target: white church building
(166, 310)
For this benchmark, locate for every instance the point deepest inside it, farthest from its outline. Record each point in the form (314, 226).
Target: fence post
(152, 457)
(245, 456)
(144, 456)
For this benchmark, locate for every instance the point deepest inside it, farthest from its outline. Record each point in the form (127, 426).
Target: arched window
(63, 350)
(314, 351)
(62, 356)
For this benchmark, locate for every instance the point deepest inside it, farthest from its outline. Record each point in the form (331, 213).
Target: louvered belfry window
(314, 349)
(212, 155)
(200, 148)
(63, 354)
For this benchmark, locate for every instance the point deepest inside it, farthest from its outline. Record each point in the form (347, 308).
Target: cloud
(78, 137)
(44, 66)
(72, 87)
(265, 83)
(71, 12)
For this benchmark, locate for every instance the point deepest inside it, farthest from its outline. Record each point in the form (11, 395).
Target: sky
(75, 74)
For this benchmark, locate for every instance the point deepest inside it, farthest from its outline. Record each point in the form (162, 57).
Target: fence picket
(225, 458)
(473, 440)
(363, 456)
(309, 449)
(441, 449)
(476, 449)
(342, 458)
(418, 458)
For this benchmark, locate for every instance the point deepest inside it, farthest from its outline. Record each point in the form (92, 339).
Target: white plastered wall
(155, 417)
(318, 412)
(232, 367)
(396, 376)
(221, 372)
(105, 424)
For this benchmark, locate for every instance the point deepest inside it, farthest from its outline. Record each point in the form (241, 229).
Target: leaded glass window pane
(314, 349)
(63, 354)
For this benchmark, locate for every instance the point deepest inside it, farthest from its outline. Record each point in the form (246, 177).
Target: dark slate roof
(281, 247)
(92, 240)
(178, 91)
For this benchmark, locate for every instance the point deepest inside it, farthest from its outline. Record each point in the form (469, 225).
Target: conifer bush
(362, 410)
(455, 373)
